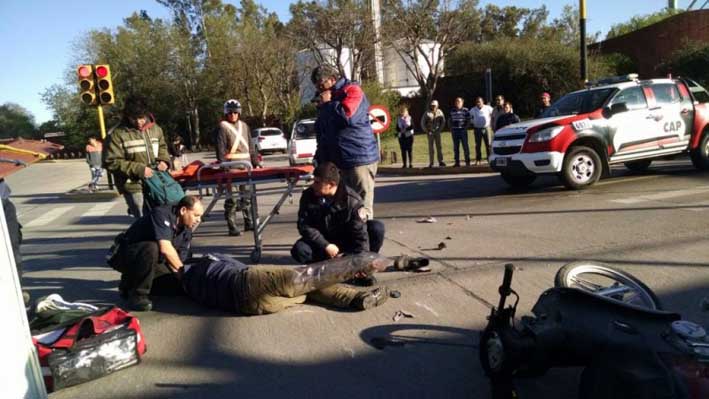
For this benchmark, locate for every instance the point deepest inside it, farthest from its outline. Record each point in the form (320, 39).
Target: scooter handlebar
(506, 286)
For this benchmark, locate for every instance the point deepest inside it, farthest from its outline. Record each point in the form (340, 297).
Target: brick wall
(652, 45)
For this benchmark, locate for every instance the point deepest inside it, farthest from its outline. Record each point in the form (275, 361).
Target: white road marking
(661, 196)
(99, 210)
(49, 217)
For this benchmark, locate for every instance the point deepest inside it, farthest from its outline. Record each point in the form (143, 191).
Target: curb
(421, 171)
(82, 194)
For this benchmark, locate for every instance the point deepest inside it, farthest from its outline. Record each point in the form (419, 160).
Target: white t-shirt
(481, 117)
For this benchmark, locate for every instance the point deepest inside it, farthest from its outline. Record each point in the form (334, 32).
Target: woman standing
(405, 133)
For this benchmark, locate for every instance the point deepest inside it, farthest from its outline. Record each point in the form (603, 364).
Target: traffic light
(105, 86)
(87, 93)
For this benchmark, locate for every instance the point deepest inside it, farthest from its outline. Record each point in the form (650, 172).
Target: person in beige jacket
(234, 143)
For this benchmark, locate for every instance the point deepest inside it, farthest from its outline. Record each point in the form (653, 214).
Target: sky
(36, 36)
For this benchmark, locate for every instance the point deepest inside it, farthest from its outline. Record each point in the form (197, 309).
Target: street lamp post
(582, 31)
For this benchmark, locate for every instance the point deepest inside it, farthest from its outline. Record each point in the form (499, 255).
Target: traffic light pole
(103, 138)
(582, 44)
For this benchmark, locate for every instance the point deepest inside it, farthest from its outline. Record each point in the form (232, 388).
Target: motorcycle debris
(429, 219)
(448, 238)
(442, 245)
(468, 217)
(394, 294)
(400, 314)
(422, 269)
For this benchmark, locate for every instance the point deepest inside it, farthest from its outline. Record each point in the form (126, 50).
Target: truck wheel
(700, 156)
(638, 166)
(582, 167)
(518, 181)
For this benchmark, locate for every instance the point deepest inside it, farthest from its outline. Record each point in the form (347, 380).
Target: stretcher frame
(237, 173)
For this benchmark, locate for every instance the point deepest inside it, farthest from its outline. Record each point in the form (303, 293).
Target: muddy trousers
(274, 288)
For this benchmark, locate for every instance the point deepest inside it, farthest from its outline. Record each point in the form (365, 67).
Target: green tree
(524, 68)
(16, 121)
(641, 21)
(425, 32)
(690, 61)
(338, 25)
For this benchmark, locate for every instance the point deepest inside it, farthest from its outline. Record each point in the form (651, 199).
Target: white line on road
(662, 195)
(48, 217)
(99, 210)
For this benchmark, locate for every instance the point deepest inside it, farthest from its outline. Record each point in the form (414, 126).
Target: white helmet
(232, 106)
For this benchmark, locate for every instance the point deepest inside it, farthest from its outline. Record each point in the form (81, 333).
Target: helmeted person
(154, 249)
(221, 282)
(135, 147)
(344, 133)
(332, 220)
(234, 143)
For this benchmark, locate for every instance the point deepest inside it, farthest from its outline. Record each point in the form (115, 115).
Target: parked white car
(269, 139)
(302, 145)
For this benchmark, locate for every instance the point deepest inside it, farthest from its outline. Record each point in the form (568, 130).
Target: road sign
(379, 118)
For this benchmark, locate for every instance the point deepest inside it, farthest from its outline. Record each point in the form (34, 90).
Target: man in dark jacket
(154, 249)
(344, 133)
(135, 147)
(332, 220)
(459, 121)
(507, 118)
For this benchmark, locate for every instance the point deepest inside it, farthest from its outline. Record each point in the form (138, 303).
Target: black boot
(230, 216)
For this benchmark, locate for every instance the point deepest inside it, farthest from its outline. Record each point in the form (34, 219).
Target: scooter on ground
(606, 321)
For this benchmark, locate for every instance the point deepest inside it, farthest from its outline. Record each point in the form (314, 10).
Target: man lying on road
(222, 282)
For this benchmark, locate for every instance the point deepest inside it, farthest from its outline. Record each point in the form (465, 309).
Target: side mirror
(618, 108)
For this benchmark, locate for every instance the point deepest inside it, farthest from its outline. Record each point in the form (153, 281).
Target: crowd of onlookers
(484, 120)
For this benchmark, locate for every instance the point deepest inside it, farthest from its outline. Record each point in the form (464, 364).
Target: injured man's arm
(219, 281)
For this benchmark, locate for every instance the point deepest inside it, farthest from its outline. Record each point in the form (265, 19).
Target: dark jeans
(305, 252)
(143, 273)
(406, 144)
(481, 135)
(460, 137)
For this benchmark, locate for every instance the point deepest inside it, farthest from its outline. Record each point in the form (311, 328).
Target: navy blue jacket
(343, 132)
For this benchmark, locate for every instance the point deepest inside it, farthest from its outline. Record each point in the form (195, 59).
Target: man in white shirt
(481, 117)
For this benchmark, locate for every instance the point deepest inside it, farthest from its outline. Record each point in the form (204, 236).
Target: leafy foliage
(15, 121)
(641, 21)
(690, 61)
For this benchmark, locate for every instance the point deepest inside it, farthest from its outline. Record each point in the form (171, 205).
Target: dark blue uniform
(142, 266)
(339, 220)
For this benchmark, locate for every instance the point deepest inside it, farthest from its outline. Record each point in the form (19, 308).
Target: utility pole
(582, 29)
(376, 7)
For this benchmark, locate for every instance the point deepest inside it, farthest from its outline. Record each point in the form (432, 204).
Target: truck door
(671, 113)
(631, 130)
(687, 108)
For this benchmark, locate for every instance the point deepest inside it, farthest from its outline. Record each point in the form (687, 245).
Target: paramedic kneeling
(332, 220)
(154, 249)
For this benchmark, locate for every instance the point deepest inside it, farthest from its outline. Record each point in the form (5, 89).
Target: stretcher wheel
(255, 256)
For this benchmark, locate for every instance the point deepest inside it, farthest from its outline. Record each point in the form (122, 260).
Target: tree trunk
(195, 125)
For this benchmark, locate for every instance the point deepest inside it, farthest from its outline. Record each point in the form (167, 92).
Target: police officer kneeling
(153, 250)
(332, 220)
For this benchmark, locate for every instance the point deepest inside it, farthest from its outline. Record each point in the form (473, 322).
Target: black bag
(162, 189)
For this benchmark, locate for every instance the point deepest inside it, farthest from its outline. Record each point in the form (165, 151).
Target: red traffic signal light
(105, 85)
(87, 92)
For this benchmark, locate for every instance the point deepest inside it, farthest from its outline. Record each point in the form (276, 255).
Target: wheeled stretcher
(218, 175)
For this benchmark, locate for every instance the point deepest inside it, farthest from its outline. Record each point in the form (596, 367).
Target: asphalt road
(652, 225)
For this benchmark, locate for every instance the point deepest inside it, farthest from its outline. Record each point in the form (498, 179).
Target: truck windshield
(581, 102)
